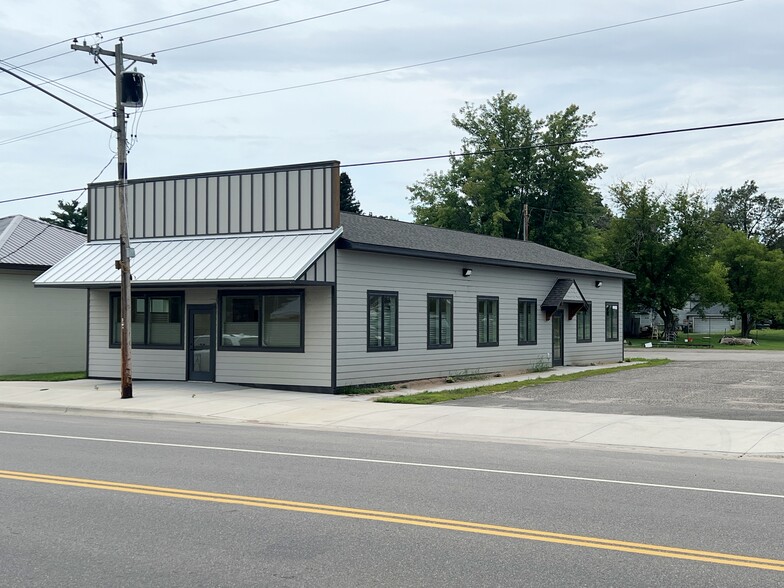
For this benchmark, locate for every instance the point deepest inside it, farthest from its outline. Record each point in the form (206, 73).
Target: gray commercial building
(256, 277)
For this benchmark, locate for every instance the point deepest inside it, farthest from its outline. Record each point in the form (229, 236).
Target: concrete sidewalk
(193, 401)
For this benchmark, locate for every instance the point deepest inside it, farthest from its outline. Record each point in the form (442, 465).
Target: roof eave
(185, 284)
(344, 243)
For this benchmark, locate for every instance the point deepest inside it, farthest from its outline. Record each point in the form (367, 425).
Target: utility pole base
(126, 391)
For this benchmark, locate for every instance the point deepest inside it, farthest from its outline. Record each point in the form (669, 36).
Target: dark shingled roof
(367, 233)
(28, 242)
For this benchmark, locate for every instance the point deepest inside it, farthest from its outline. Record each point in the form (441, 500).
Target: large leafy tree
(348, 199)
(755, 277)
(70, 216)
(752, 213)
(665, 240)
(509, 160)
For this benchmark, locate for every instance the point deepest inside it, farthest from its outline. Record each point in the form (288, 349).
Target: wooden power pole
(124, 265)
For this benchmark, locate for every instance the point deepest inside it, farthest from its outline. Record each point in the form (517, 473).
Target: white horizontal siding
(41, 330)
(414, 278)
(311, 368)
(146, 364)
(599, 350)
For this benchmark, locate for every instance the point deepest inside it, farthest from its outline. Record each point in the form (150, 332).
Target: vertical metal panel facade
(288, 198)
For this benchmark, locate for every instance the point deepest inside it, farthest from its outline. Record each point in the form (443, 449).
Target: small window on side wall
(382, 321)
(526, 321)
(487, 321)
(439, 321)
(611, 328)
(584, 324)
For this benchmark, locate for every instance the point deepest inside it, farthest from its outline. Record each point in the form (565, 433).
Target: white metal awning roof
(217, 259)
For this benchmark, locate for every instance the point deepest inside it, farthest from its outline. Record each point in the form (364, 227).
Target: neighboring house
(40, 330)
(709, 320)
(255, 277)
(692, 318)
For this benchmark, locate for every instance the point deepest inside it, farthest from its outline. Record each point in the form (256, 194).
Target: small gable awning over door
(564, 294)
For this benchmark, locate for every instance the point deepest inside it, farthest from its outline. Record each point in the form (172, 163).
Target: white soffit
(218, 259)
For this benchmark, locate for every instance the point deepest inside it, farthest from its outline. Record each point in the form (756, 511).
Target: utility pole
(124, 265)
(525, 222)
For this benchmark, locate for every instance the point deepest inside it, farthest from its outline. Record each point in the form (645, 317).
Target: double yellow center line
(406, 519)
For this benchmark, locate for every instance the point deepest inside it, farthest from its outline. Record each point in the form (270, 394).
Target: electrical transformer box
(132, 89)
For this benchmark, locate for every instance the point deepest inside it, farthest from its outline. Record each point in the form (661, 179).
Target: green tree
(348, 200)
(70, 216)
(500, 169)
(746, 210)
(664, 240)
(755, 277)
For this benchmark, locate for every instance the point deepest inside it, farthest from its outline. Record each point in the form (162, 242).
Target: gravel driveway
(742, 387)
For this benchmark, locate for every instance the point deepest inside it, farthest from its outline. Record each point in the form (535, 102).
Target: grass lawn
(767, 339)
(53, 377)
(445, 395)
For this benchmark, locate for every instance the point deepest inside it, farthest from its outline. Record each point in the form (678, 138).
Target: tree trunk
(670, 327)
(745, 324)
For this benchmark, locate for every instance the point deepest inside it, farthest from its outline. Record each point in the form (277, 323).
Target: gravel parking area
(740, 389)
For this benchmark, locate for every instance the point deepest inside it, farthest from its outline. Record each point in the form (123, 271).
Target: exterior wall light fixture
(598, 283)
(467, 271)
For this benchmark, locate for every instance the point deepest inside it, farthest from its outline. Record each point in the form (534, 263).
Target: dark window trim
(479, 320)
(389, 294)
(260, 294)
(449, 345)
(536, 330)
(589, 314)
(114, 299)
(617, 321)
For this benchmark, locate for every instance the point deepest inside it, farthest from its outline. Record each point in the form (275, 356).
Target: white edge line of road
(400, 463)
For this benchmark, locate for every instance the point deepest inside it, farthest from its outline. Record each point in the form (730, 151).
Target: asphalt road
(261, 506)
(743, 388)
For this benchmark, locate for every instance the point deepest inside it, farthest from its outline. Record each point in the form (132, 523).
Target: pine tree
(348, 201)
(70, 216)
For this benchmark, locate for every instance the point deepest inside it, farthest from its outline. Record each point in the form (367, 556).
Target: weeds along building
(255, 277)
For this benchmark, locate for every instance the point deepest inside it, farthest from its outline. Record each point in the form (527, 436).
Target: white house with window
(255, 277)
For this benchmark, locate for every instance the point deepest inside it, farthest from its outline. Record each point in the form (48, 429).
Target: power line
(435, 61)
(177, 24)
(129, 34)
(46, 131)
(377, 72)
(46, 80)
(87, 114)
(26, 243)
(566, 143)
(40, 195)
(507, 149)
(53, 129)
(277, 26)
(410, 66)
(52, 81)
(130, 26)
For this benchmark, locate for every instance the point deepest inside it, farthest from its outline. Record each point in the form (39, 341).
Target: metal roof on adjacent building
(369, 233)
(215, 260)
(28, 242)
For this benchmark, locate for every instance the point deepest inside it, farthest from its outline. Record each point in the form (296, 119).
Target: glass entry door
(201, 342)
(557, 320)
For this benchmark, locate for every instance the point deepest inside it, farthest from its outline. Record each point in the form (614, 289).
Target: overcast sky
(718, 65)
